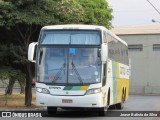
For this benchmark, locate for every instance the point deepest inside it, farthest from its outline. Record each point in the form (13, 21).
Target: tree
(11, 66)
(12, 75)
(69, 11)
(25, 18)
(97, 12)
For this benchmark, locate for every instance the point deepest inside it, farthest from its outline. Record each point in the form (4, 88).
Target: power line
(154, 7)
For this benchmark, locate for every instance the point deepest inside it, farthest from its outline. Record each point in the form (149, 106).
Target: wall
(145, 73)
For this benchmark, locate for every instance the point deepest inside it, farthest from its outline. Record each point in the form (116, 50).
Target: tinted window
(118, 51)
(69, 37)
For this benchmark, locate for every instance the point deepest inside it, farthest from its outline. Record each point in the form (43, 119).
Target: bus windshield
(70, 37)
(65, 65)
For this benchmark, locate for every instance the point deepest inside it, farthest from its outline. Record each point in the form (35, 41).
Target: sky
(134, 12)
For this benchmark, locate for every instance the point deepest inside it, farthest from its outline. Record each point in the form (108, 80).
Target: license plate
(67, 101)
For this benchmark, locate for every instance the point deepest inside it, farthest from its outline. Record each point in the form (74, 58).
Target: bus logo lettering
(54, 87)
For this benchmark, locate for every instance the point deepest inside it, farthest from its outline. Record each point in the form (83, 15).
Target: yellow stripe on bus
(84, 87)
(122, 83)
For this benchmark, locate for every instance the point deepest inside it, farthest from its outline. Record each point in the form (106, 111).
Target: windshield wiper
(59, 72)
(79, 77)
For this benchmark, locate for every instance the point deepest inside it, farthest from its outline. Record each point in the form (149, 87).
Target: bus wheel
(121, 105)
(52, 110)
(103, 111)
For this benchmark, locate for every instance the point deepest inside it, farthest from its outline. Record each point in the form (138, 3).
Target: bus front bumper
(86, 101)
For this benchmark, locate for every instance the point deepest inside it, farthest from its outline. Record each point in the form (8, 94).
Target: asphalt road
(136, 104)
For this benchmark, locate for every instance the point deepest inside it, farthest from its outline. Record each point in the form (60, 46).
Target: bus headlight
(42, 90)
(93, 91)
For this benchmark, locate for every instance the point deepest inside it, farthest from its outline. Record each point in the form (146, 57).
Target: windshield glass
(68, 65)
(70, 37)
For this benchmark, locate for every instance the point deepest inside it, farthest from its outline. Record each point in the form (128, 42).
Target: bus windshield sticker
(52, 78)
(72, 51)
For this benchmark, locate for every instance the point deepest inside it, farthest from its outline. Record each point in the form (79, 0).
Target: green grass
(15, 100)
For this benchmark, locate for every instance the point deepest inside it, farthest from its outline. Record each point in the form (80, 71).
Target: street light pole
(155, 21)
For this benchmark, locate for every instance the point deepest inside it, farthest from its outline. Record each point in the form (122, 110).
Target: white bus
(80, 66)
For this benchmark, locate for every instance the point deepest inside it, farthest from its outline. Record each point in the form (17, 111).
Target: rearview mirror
(104, 52)
(31, 51)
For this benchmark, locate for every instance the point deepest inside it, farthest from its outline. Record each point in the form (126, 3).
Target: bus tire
(51, 110)
(103, 111)
(121, 105)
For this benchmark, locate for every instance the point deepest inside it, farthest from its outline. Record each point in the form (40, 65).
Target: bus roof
(84, 27)
(73, 26)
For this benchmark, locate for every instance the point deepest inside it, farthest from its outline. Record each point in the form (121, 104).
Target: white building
(144, 51)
